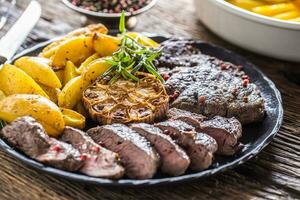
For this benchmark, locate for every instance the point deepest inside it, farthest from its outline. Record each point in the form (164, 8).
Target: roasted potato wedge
(86, 31)
(72, 92)
(2, 95)
(87, 62)
(76, 50)
(51, 92)
(106, 45)
(39, 69)
(60, 73)
(40, 108)
(94, 70)
(70, 72)
(143, 39)
(73, 119)
(15, 81)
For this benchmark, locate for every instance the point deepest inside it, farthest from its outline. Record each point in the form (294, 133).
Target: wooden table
(273, 174)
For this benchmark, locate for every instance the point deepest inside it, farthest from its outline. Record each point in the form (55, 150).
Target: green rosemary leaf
(2, 124)
(133, 77)
(111, 61)
(114, 79)
(122, 28)
(154, 72)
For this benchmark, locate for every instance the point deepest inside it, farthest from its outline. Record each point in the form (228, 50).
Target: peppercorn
(83, 156)
(165, 76)
(96, 149)
(201, 99)
(56, 147)
(245, 82)
(111, 6)
(223, 66)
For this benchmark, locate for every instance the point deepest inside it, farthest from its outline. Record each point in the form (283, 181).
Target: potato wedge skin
(39, 69)
(76, 50)
(73, 118)
(87, 62)
(94, 70)
(106, 45)
(89, 30)
(15, 81)
(72, 92)
(51, 92)
(143, 39)
(40, 108)
(70, 72)
(2, 95)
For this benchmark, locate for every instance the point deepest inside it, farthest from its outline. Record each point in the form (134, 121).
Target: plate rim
(150, 182)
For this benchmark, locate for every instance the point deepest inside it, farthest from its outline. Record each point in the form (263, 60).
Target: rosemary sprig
(131, 58)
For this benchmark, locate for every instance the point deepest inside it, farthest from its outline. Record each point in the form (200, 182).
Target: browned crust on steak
(174, 160)
(137, 156)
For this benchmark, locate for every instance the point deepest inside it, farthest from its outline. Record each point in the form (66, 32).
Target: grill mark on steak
(223, 94)
(27, 135)
(190, 118)
(99, 161)
(174, 160)
(137, 156)
(226, 131)
(220, 83)
(199, 147)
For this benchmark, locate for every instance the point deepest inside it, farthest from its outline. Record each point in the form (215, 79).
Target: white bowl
(271, 37)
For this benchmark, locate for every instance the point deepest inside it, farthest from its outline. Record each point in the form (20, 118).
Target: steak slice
(190, 118)
(226, 131)
(137, 156)
(61, 155)
(199, 147)
(99, 161)
(174, 160)
(27, 135)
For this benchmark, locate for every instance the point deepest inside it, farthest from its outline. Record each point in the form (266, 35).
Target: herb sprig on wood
(131, 57)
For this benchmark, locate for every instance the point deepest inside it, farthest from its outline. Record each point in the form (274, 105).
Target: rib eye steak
(209, 86)
(174, 160)
(226, 131)
(27, 135)
(99, 162)
(137, 156)
(199, 147)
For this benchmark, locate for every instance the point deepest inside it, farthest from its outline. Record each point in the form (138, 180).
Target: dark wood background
(273, 174)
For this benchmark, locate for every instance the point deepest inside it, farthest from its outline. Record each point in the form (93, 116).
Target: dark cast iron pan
(255, 136)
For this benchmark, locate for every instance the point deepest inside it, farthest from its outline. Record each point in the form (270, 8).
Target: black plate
(255, 136)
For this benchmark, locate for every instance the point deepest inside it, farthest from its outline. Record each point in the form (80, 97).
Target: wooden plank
(274, 174)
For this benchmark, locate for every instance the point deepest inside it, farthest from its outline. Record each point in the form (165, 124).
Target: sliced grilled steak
(199, 147)
(190, 118)
(174, 160)
(137, 156)
(61, 155)
(226, 131)
(99, 161)
(30, 137)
